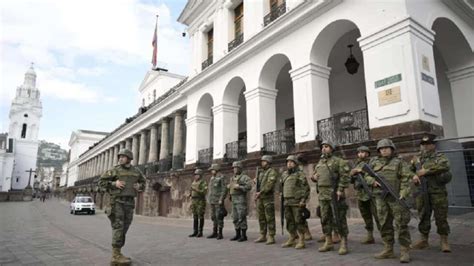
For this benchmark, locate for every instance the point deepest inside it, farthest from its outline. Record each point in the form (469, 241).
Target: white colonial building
(271, 75)
(22, 144)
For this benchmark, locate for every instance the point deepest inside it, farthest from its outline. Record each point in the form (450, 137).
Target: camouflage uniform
(239, 186)
(217, 194)
(437, 176)
(266, 202)
(122, 201)
(295, 189)
(198, 203)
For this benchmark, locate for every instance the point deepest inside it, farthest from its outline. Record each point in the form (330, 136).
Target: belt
(125, 198)
(203, 198)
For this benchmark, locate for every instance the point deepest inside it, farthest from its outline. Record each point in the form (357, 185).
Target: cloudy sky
(90, 57)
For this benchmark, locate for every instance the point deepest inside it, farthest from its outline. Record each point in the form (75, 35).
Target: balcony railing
(275, 13)
(279, 142)
(205, 156)
(236, 150)
(345, 128)
(236, 42)
(206, 63)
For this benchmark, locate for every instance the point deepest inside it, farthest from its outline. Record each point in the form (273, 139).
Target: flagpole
(154, 59)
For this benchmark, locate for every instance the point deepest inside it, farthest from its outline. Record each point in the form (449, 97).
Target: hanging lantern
(351, 63)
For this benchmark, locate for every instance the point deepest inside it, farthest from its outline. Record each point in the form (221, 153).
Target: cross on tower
(29, 179)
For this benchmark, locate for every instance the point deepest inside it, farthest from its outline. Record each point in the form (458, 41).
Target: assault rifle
(282, 209)
(423, 189)
(334, 200)
(359, 181)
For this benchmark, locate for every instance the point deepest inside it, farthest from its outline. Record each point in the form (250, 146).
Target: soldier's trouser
(239, 211)
(120, 214)
(327, 222)
(439, 206)
(198, 207)
(294, 221)
(266, 216)
(219, 223)
(387, 211)
(368, 213)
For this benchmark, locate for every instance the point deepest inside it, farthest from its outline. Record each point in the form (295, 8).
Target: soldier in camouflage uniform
(295, 191)
(217, 194)
(240, 184)
(364, 200)
(398, 175)
(122, 183)
(198, 205)
(329, 169)
(434, 167)
(307, 232)
(265, 199)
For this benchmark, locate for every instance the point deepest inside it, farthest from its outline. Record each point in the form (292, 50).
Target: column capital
(460, 73)
(198, 120)
(310, 69)
(403, 26)
(179, 113)
(228, 108)
(260, 92)
(165, 119)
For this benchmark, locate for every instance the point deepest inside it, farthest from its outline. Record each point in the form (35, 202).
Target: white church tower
(25, 115)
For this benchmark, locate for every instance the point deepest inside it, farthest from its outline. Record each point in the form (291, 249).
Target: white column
(226, 123)
(135, 149)
(165, 145)
(462, 88)
(128, 144)
(143, 154)
(153, 153)
(403, 50)
(198, 131)
(106, 159)
(261, 116)
(310, 99)
(254, 11)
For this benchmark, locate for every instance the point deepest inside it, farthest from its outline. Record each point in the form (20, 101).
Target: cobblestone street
(36, 233)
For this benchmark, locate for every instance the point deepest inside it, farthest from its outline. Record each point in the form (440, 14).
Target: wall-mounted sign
(389, 96)
(427, 78)
(387, 81)
(425, 62)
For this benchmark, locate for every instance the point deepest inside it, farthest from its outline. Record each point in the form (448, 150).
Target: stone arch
(271, 69)
(204, 105)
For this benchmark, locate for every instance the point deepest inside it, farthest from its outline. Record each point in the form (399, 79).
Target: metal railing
(345, 127)
(275, 13)
(236, 42)
(279, 142)
(205, 156)
(236, 150)
(206, 63)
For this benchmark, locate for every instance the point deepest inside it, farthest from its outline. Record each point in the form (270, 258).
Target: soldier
(331, 175)
(364, 199)
(122, 183)
(295, 191)
(265, 199)
(398, 175)
(307, 232)
(434, 167)
(217, 194)
(238, 187)
(198, 205)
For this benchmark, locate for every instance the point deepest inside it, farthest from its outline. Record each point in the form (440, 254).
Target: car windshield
(83, 200)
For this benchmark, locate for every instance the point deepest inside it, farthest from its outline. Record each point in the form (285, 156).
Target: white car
(82, 204)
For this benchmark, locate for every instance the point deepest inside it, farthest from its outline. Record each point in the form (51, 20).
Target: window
(25, 115)
(275, 3)
(23, 131)
(238, 17)
(210, 40)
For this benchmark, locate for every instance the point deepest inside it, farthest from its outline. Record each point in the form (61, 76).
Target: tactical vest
(437, 182)
(196, 185)
(324, 168)
(292, 187)
(389, 171)
(130, 176)
(234, 181)
(217, 189)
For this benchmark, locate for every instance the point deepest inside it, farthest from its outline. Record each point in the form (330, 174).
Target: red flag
(154, 43)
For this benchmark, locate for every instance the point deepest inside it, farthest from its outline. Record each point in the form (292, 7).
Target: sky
(90, 57)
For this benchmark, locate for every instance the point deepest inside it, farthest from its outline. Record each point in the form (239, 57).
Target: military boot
(243, 237)
(300, 244)
(422, 243)
(195, 227)
(327, 244)
(387, 252)
(369, 239)
(444, 243)
(214, 233)
(343, 247)
(404, 254)
(262, 238)
(118, 258)
(336, 238)
(201, 226)
(237, 235)
(307, 234)
(290, 242)
(270, 240)
(322, 239)
(219, 234)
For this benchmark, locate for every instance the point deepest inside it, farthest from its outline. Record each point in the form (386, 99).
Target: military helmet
(126, 152)
(385, 143)
(305, 213)
(198, 172)
(267, 158)
(329, 143)
(292, 158)
(427, 139)
(215, 167)
(237, 164)
(363, 149)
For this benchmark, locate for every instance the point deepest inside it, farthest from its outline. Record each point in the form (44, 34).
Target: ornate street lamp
(351, 63)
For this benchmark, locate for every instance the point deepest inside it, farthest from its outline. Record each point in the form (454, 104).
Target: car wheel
(74, 212)
(70, 212)
(93, 212)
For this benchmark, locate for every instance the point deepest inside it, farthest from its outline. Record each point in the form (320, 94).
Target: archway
(204, 129)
